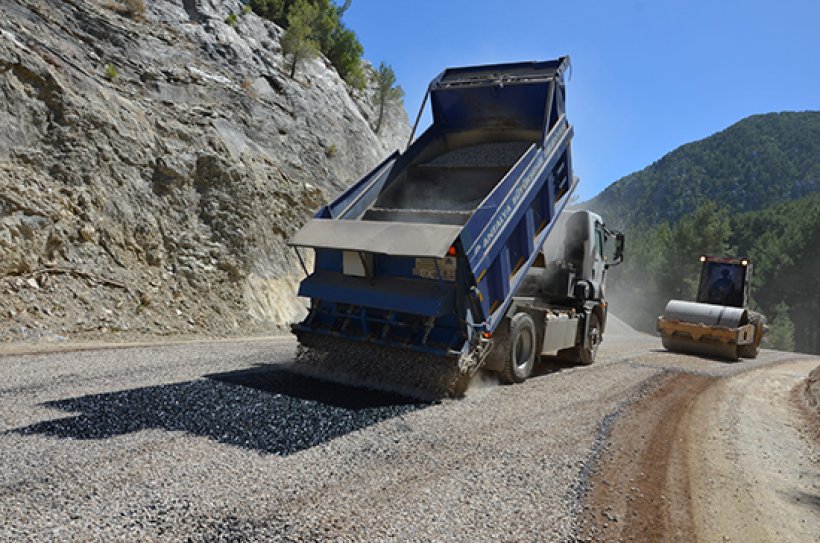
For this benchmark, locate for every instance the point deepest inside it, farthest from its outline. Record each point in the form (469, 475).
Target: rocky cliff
(152, 166)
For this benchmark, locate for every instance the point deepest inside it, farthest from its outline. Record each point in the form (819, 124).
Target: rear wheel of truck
(521, 349)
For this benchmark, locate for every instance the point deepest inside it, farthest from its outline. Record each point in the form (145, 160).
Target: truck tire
(586, 355)
(521, 349)
(753, 349)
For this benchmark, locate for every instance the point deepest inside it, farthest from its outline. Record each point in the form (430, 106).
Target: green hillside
(759, 161)
(784, 242)
(752, 190)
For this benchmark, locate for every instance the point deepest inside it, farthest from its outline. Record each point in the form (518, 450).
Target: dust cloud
(482, 381)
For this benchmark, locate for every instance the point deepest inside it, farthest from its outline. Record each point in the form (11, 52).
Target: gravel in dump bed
(222, 442)
(483, 155)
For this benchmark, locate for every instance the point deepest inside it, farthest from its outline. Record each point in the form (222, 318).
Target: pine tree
(299, 41)
(706, 231)
(323, 29)
(345, 53)
(386, 92)
(275, 10)
(781, 329)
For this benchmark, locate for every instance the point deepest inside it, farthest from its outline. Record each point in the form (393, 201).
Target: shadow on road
(266, 409)
(272, 378)
(551, 364)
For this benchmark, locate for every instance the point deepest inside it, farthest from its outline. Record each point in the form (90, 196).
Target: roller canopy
(389, 238)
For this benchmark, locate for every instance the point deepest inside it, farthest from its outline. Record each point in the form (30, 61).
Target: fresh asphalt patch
(265, 408)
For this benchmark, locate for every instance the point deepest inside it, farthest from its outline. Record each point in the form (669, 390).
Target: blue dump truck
(457, 254)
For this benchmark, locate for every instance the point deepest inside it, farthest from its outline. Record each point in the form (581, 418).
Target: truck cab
(575, 259)
(564, 293)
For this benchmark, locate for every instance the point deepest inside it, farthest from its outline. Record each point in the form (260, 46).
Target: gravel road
(221, 441)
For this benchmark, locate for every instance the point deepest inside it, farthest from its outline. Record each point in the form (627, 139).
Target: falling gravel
(410, 373)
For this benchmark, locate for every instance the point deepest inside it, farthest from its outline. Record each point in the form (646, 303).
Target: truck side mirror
(618, 257)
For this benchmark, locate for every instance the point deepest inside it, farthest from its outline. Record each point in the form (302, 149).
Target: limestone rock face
(152, 167)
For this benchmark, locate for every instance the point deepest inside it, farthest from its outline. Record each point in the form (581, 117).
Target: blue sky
(647, 76)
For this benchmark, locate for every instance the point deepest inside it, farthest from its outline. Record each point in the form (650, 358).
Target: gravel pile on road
(227, 413)
(222, 442)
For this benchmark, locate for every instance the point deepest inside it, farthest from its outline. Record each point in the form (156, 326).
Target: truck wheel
(751, 350)
(521, 349)
(586, 355)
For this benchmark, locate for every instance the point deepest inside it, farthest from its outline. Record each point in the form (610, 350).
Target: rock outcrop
(811, 394)
(153, 165)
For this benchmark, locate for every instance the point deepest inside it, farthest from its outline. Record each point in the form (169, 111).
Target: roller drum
(709, 334)
(710, 315)
(682, 344)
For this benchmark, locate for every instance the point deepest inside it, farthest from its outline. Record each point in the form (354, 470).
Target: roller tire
(521, 347)
(753, 349)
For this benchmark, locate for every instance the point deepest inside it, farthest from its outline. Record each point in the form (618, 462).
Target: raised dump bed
(448, 188)
(425, 253)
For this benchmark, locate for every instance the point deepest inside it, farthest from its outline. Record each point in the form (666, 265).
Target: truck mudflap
(427, 376)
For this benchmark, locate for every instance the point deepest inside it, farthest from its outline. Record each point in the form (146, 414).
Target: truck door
(598, 262)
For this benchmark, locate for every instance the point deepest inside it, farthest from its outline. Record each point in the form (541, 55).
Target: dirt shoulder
(807, 397)
(710, 459)
(43, 347)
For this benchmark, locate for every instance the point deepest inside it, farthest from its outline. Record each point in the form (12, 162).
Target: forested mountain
(757, 162)
(751, 190)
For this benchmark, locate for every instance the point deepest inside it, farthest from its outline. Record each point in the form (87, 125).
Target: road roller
(719, 324)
